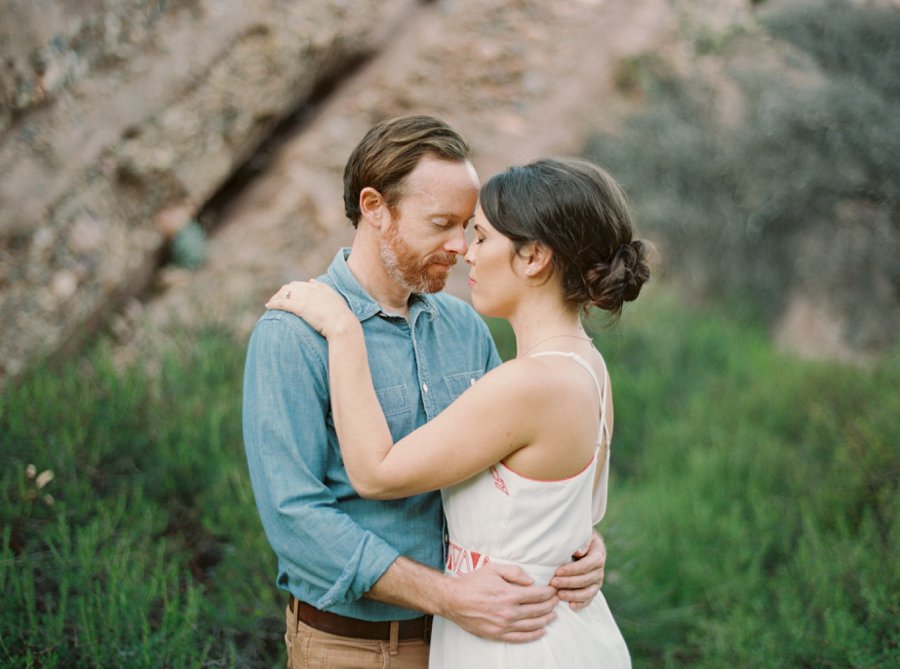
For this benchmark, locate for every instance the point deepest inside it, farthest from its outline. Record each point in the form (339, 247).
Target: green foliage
(189, 246)
(754, 503)
(736, 206)
(855, 42)
(148, 551)
(753, 512)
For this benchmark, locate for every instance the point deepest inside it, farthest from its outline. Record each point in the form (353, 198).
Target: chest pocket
(457, 384)
(394, 401)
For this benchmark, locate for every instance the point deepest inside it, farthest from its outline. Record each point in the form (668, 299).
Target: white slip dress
(501, 517)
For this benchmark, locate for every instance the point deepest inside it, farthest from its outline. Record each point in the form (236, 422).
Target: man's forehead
(460, 173)
(441, 198)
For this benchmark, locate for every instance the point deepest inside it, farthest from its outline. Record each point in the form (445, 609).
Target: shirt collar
(360, 302)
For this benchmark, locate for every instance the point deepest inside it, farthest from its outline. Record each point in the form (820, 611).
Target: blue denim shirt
(332, 545)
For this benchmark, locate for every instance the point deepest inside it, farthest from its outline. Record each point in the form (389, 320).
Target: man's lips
(472, 281)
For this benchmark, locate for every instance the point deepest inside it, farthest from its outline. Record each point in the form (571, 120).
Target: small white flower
(43, 478)
(30, 471)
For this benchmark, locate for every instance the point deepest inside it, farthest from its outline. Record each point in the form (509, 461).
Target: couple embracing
(428, 505)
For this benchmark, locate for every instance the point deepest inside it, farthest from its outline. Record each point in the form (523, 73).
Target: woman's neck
(546, 325)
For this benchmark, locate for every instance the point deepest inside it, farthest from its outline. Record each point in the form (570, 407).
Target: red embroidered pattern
(499, 483)
(463, 561)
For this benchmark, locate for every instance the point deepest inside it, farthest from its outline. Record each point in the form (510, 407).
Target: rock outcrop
(120, 118)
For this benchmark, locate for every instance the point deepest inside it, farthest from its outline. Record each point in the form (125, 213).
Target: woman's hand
(319, 305)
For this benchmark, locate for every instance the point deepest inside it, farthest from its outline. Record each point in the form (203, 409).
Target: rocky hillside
(119, 120)
(123, 122)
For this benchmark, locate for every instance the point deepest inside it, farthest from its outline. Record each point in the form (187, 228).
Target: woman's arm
(495, 417)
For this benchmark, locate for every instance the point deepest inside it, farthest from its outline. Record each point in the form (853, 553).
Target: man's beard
(403, 266)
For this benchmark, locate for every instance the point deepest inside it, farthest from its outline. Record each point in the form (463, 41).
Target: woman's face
(493, 280)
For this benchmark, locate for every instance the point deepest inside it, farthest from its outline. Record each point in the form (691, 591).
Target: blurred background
(167, 164)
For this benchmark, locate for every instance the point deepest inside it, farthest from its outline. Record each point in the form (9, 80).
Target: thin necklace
(554, 337)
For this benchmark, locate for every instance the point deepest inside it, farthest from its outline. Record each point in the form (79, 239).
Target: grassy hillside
(149, 552)
(752, 519)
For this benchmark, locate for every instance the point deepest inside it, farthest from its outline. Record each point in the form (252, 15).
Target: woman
(522, 457)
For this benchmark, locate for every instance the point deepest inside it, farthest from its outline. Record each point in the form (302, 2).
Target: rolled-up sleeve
(324, 557)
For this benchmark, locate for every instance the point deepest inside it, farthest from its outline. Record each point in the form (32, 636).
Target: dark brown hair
(390, 151)
(580, 212)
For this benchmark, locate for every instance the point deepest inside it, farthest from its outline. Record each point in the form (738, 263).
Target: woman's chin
(481, 306)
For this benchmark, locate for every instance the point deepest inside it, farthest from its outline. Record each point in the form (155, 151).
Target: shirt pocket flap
(393, 399)
(458, 383)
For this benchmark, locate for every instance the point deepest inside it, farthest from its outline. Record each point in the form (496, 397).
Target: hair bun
(611, 284)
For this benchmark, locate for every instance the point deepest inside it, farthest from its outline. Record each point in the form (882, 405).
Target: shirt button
(425, 387)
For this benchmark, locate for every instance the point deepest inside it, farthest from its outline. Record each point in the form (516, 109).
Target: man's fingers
(502, 604)
(580, 596)
(544, 595)
(581, 552)
(512, 574)
(578, 581)
(592, 554)
(526, 629)
(532, 624)
(536, 612)
(522, 637)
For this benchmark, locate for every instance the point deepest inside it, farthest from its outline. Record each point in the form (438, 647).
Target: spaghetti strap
(601, 390)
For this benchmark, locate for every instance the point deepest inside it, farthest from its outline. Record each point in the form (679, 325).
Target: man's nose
(457, 243)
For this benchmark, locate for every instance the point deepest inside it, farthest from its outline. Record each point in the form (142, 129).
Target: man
(361, 572)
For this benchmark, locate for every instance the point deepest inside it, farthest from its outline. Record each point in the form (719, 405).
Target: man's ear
(372, 207)
(538, 257)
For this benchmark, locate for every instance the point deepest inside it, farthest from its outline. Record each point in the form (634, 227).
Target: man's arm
(496, 601)
(319, 546)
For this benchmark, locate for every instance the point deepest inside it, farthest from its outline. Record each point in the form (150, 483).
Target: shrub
(746, 212)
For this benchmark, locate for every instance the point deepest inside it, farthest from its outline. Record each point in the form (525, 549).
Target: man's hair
(390, 151)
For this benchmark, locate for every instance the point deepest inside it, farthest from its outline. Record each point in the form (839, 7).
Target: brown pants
(309, 648)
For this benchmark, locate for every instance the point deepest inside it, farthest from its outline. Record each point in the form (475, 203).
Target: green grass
(754, 506)
(149, 551)
(752, 523)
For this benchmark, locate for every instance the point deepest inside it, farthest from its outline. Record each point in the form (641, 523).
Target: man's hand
(579, 582)
(499, 602)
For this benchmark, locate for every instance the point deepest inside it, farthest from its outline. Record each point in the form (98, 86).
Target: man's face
(427, 228)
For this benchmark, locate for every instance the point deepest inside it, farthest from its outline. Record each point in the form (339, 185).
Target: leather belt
(417, 628)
